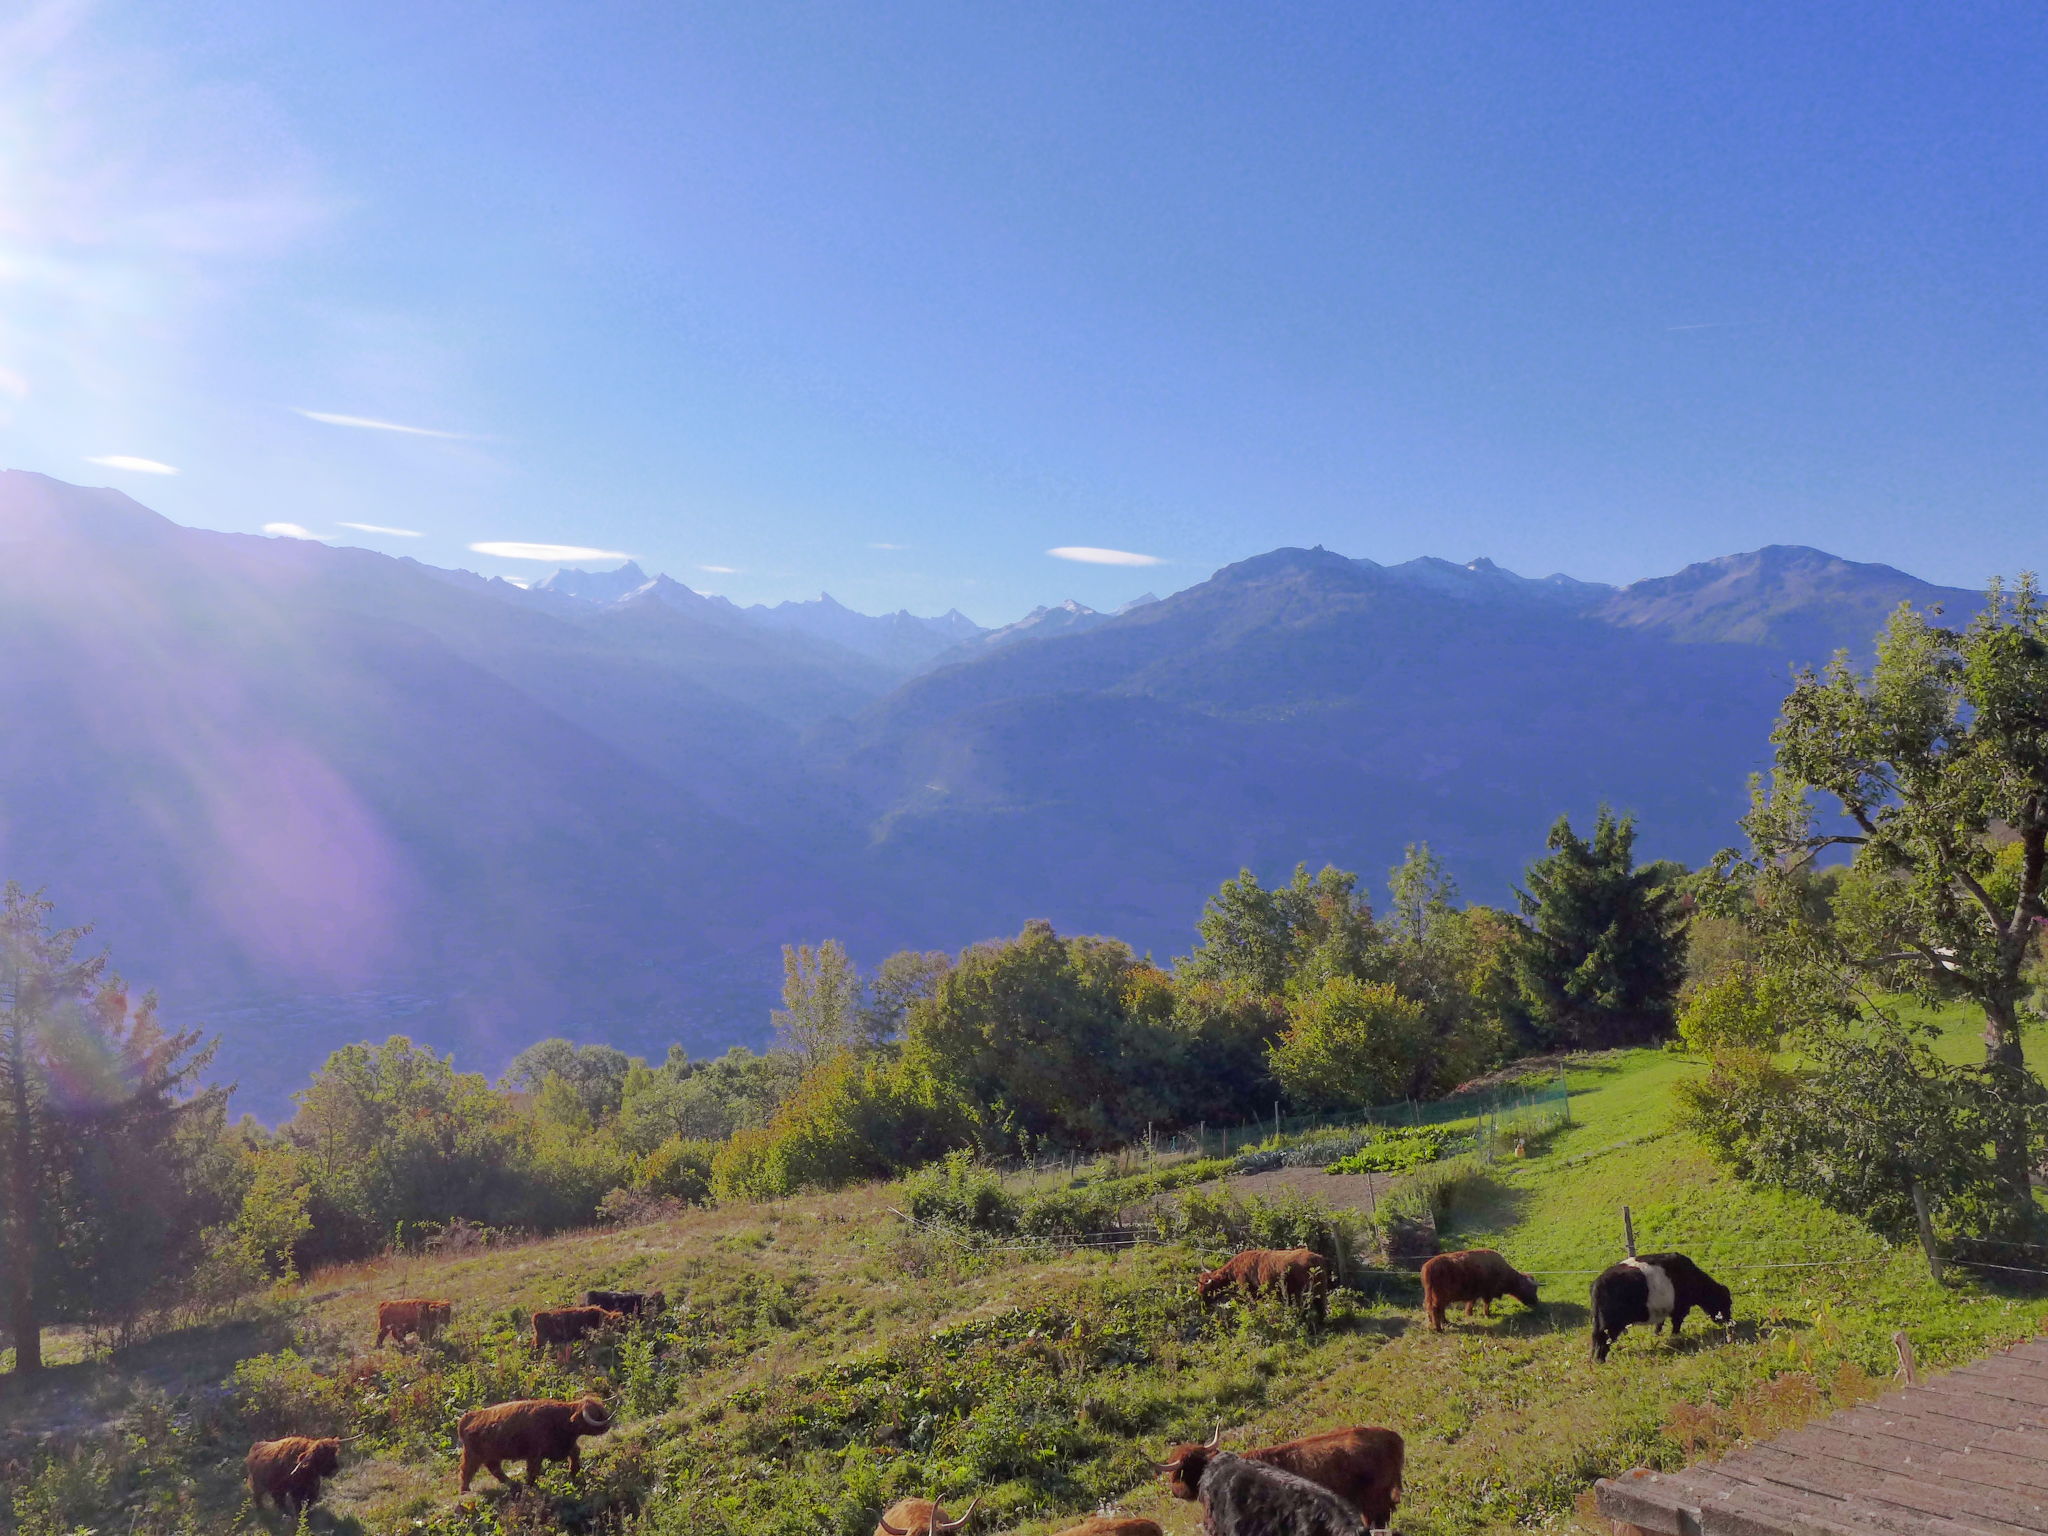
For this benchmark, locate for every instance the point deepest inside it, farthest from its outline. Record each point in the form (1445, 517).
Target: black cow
(631, 1303)
(1242, 1497)
(1652, 1289)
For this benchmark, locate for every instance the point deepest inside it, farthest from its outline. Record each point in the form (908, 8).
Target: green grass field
(826, 1360)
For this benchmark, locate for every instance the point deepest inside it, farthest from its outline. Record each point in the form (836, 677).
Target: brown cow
(919, 1517)
(289, 1471)
(419, 1318)
(1361, 1465)
(1300, 1274)
(1115, 1525)
(533, 1430)
(566, 1325)
(1477, 1276)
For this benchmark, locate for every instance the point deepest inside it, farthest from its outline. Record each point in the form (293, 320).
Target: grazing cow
(1300, 1274)
(1477, 1277)
(566, 1325)
(1114, 1525)
(630, 1303)
(416, 1317)
(1361, 1465)
(1652, 1289)
(289, 1471)
(533, 1430)
(919, 1517)
(1242, 1497)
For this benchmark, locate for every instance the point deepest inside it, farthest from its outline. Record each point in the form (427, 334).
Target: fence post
(1276, 1119)
(1628, 1231)
(1926, 1231)
(1565, 1089)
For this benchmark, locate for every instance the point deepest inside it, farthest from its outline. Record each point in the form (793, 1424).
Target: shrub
(1397, 1148)
(958, 1191)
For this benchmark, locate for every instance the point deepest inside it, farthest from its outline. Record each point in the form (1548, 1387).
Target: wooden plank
(1971, 1408)
(1994, 1378)
(1727, 1505)
(2029, 1453)
(1997, 1511)
(1981, 1468)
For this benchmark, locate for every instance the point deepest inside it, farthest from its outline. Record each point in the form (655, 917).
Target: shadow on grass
(1482, 1203)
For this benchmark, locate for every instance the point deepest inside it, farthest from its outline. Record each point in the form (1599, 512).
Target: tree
(1422, 891)
(1601, 946)
(1349, 1044)
(101, 1130)
(594, 1074)
(821, 997)
(903, 981)
(1937, 765)
(1263, 939)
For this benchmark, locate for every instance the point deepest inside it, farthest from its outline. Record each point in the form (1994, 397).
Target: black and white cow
(1655, 1288)
(1242, 1497)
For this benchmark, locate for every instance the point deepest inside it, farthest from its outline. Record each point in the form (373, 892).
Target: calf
(416, 1317)
(919, 1517)
(1114, 1525)
(1652, 1289)
(1299, 1274)
(1361, 1465)
(566, 1325)
(1477, 1277)
(533, 1430)
(289, 1471)
(628, 1303)
(1242, 1497)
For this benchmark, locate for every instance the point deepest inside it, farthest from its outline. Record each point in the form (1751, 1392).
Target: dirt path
(1355, 1191)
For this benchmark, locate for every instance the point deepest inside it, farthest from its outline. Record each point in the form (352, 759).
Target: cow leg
(575, 1461)
(1489, 1306)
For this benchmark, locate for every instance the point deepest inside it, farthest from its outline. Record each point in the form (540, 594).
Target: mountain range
(318, 793)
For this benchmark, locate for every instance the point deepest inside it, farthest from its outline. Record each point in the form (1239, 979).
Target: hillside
(314, 794)
(825, 1360)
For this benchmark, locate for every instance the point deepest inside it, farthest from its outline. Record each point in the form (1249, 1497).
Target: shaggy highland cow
(1361, 1465)
(533, 1430)
(415, 1318)
(1477, 1277)
(1299, 1274)
(919, 1517)
(289, 1471)
(1242, 1497)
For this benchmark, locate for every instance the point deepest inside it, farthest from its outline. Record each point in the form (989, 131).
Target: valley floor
(826, 1360)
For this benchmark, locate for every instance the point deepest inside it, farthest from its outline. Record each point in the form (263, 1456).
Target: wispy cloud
(1088, 555)
(888, 546)
(371, 423)
(561, 554)
(720, 570)
(130, 462)
(289, 531)
(396, 533)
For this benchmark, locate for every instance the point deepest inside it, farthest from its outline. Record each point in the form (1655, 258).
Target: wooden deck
(1961, 1454)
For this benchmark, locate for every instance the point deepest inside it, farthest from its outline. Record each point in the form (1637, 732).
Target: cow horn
(954, 1525)
(345, 1439)
(885, 1525)
(1168, 1466)
(1215, 1439)
(601, 1408)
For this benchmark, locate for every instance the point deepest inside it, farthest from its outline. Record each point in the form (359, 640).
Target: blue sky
(892, 299)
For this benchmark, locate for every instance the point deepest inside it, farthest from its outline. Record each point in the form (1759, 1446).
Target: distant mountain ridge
(309, 790)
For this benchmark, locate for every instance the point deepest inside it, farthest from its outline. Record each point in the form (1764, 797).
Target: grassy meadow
(823, 1360)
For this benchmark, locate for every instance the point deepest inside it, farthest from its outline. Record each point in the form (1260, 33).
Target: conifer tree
(1601, 950)
(100, 1131)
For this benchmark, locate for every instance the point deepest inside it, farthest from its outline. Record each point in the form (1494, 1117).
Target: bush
(1397, 1148)
(957, 1191)
(678, 1169)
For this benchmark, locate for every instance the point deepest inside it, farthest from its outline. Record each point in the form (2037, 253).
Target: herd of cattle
(1339, 1483)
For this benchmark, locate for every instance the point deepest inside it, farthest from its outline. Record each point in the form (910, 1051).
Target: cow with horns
(1477, 1277)
(1242, 1497)
(1300, 1274)
(1654, 1289)
(289, 1472)
(628, 1303)
(414, 1317)
(532, 1430)
(1361, 1465)
(920, 1517)
(568, 1325)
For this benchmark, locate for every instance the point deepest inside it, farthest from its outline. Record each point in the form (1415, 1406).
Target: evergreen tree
(1601, 947)
(101, 1135)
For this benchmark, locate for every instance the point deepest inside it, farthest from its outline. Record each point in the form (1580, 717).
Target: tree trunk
(2007, 1061)
(19, 1221)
